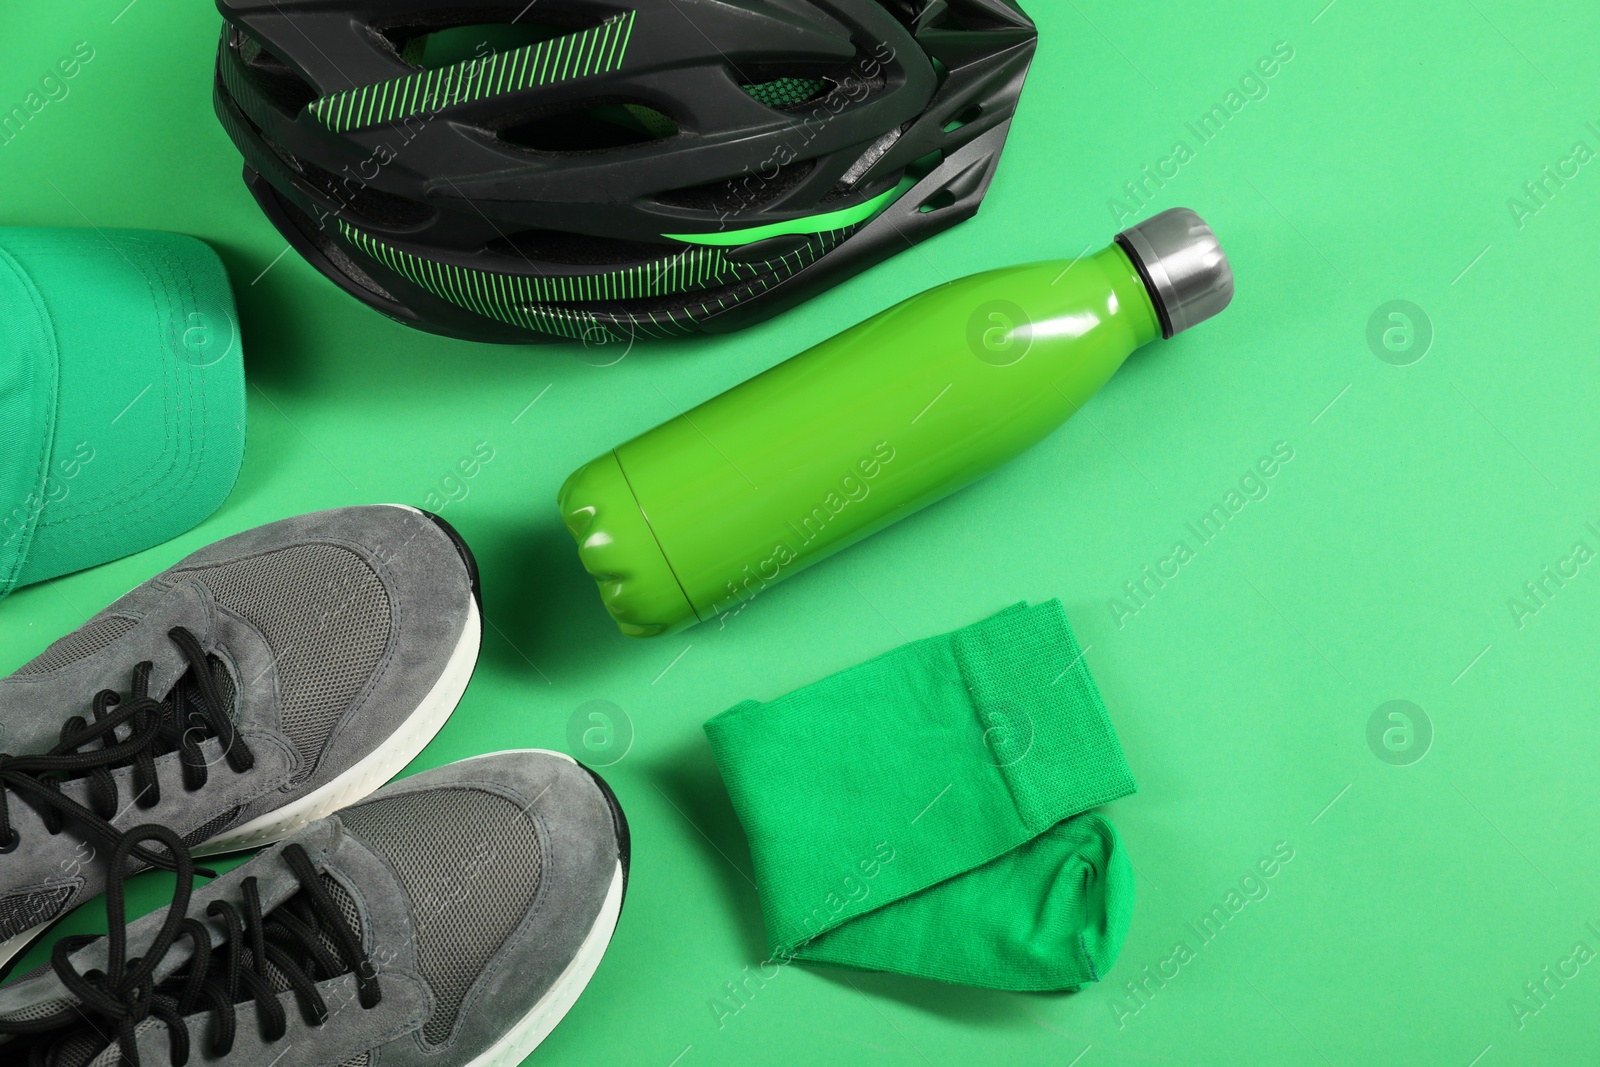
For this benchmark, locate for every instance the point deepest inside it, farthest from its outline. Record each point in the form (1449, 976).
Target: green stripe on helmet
(527, 302)
(832, 220)
(597, 50)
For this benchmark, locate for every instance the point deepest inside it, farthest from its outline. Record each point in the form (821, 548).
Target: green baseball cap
(122, 409)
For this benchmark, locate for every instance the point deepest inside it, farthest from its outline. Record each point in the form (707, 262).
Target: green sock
(927, 812)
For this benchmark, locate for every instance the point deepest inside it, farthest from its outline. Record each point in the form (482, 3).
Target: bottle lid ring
(1183, 266)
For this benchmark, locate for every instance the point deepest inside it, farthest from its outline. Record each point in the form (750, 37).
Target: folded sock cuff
(943, 754)
(1046, 724)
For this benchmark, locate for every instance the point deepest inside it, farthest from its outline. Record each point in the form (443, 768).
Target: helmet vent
(591, 127)
(971, 114)
(781, 94)
(581, 250)
(435, 46)
(793, 90)
(272, 77)
(907, 11)
(320, 240)
(352, 198)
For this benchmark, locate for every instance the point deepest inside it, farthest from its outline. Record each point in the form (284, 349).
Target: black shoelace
(305, 940)
(194, 711)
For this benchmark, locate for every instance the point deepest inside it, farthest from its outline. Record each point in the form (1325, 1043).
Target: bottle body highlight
(699, 515)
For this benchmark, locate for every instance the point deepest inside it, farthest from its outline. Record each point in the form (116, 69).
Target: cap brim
(123, 403)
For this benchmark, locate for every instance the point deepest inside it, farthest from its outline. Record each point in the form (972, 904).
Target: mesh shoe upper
(456, 915)
(80, 644)
(334, 643)
(472, 876)
(326, 617)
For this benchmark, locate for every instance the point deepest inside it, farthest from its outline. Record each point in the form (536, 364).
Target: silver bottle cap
(1182, 265)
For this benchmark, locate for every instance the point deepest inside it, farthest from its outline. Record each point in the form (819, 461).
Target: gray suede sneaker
(263, 682)
(450, 920)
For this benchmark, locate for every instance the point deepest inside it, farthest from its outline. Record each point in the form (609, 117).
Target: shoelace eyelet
(11, 842)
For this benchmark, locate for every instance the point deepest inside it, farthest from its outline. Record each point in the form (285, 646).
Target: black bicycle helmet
(554, 169)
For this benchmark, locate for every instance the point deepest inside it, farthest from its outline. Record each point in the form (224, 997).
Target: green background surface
(1381, 566)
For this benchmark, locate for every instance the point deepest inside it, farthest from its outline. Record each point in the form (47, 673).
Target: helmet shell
(594, 169)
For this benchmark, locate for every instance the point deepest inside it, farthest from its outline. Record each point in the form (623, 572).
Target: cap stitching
(34, 504)
(148, 480)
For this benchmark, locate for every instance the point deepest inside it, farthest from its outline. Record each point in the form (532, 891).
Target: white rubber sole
(14, 947)
(521, 752)
(378, 766)
(534, 1027)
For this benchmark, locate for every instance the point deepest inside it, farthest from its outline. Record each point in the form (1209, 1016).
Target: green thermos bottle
(699, 515)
